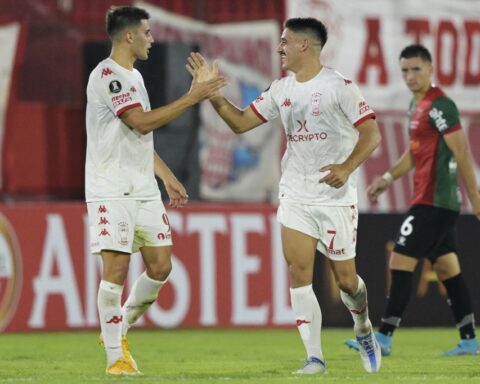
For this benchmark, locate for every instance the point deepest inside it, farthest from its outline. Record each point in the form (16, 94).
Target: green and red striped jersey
(435, 178)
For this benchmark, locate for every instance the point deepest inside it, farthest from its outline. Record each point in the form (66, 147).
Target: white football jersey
(119, 161)
(319, 117)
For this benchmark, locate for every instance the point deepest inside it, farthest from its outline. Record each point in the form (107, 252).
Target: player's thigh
(401, 262)
(299, 233)
(447, 266)
(298, 247)
(345, 273)
(152, 227)
(158, 261)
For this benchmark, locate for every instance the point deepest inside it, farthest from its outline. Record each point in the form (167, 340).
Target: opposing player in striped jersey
(125, 211)
(330, 131)
(438, 151)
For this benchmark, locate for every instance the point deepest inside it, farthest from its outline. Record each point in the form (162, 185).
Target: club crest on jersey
(316, 103)
(115, 86)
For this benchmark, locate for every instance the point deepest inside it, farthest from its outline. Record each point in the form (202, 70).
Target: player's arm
(175, 190)
(402, 166)
(145, 122)
(368, 139)
(238, 120)
(457, 143)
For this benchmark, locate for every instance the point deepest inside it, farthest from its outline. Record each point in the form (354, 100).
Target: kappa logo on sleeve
(106, 72)
(115, 86)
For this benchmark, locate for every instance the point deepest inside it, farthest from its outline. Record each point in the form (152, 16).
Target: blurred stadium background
(228, 266)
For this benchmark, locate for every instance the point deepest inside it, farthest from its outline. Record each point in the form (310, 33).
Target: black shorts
(428, 232)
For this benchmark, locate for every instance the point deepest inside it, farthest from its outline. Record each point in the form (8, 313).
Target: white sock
(110, 313)
(144, 292)
(357, 304)
(309, 319)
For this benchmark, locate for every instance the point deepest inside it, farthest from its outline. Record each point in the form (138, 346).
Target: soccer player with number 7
(330, 131)
(438, 148)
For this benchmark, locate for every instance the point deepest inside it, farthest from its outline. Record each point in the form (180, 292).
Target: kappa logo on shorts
(102, 209)
(103, 221)
(104, 232)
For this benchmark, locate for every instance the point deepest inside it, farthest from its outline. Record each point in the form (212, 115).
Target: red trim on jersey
(369, 116)
(127, 107)
(258, 113)
(452, 129)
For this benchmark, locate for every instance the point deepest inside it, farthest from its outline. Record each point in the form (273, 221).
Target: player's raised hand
(201, 72)
(204, 90)
(199, 69)
(375, 189)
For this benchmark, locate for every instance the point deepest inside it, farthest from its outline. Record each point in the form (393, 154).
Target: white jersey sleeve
(117, 91)
(265, 106)
(353, 104)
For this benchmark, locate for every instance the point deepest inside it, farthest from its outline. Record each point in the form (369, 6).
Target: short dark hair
(416, 50)
(308, 25)
(118, 18)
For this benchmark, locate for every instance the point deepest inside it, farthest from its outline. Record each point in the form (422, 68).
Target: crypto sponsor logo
(10, 272)
(302, 126)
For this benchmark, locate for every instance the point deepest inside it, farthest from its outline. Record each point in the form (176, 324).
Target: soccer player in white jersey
(330, 131)
(125, 210)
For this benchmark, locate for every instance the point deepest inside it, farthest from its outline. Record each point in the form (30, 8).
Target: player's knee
(348, 286)
(116, 273)
(300, 274)
(159, 271)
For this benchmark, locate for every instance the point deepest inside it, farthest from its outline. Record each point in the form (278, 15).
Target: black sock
(461, 305)
(397, 300)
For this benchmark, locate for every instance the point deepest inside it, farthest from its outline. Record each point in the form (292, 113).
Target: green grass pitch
(230, 356)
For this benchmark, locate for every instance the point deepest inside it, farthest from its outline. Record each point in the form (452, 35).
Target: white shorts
(127, 225)
(334, 227)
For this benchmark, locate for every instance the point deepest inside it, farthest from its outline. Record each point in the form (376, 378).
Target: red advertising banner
(228, 269)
